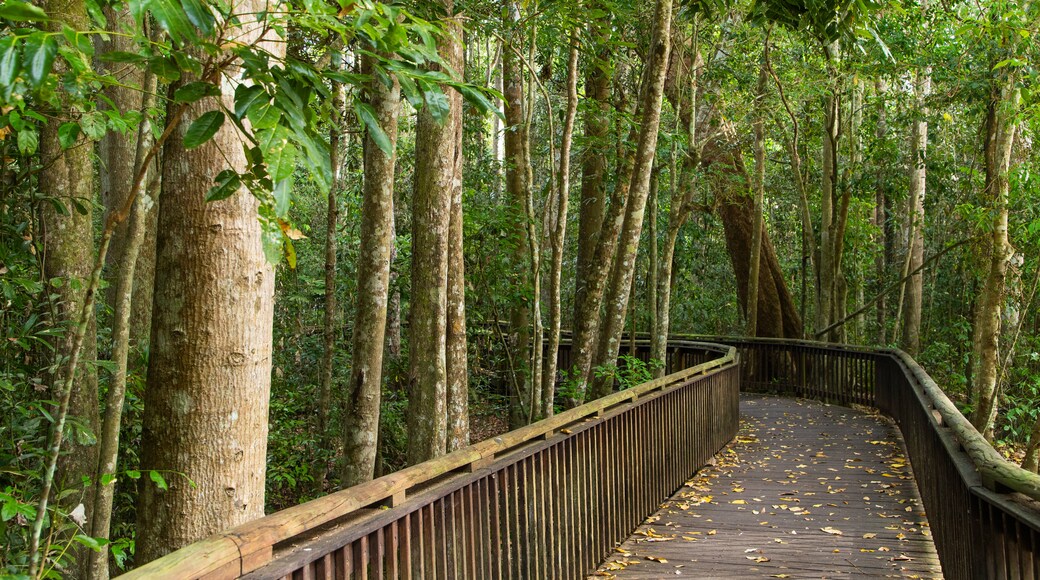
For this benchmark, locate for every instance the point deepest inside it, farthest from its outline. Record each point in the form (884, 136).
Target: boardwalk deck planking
(806, 490)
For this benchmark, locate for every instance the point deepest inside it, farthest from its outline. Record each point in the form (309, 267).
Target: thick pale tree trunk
(914, 289)
(616, 298)
(1000, 136)
(362, 397)
(559, 233)
(209, 372)
(456, 363)
(435, 176)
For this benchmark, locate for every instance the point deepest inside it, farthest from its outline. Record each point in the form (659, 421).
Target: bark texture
(596, 120)
(116, 152)
(777, 314)
(456, 349)
(99, 524)
(518, 185)
(435, 177)
(914, 289)
(834, 209)
(361, 403)
(1000, 136)
(68, 256)
(684, 70)
(759, 192)
(616, 298)
(559, 233)
(209, 373)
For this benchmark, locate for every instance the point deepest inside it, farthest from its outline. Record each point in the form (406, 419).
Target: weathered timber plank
(805, 491)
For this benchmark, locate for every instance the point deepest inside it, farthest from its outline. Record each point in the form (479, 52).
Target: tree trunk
(914, 290)
(99, 522)
(435, 166)
(116, 152)
(67, 242)
(362, 397)
(594, 165)
(616, 299)
(456, 350)
(517, 161)
(830, 306)
(760, 189)
(1032, 455)
(330, 324)
(682, 197)
(881, 221)
(209, 372)
(597, 233)
(558, 235)
(1000, 135)
(777, 315)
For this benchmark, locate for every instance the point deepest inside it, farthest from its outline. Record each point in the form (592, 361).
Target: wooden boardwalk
(806, 490)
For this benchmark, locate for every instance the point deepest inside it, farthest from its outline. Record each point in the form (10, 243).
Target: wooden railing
(983, 511)
(549, 500)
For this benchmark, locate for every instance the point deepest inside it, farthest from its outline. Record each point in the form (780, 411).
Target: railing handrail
(990, 464)
(249, 546)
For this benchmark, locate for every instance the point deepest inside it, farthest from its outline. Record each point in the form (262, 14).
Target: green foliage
(629, 372)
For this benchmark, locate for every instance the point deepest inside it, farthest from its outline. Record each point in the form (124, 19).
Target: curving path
(806, 490)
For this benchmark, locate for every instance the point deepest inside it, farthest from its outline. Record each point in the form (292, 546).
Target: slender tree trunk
(363, 392)
(760, 190)
(810, 261)
(830, 305)
(518, 185)
(1000, 135)
(616, 299)
(682, 197)
(210, 362)
(435, 176)
(653, 267)
(559, 235)
(534, 376)
(881, 220)
(68, 255)
(108, 447)
(593, 242)
(914, 290)
(116, 152)
(331, 320)
(456, 350)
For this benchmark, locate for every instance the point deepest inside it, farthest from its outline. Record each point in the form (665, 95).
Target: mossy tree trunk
(619, 288)
(362, 397)
(435, 177)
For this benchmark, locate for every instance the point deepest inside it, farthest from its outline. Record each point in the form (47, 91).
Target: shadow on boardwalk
(806, 490)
